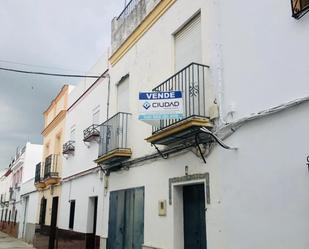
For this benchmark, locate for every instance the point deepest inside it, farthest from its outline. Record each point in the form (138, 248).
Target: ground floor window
(72, 214)
(126, 219)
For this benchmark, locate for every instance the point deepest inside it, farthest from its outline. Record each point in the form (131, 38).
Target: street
(10, 242)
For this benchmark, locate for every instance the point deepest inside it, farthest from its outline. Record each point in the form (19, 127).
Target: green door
(194, 217)
(126, 219)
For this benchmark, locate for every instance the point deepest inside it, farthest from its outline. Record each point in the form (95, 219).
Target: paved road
(7, 242)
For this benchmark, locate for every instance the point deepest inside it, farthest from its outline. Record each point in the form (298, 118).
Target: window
(72, 214)
(299, 8)
(123, 94)
(188, 43)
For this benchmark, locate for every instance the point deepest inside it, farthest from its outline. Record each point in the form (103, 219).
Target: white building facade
(81, 201)
(235, 71)
(28, 193)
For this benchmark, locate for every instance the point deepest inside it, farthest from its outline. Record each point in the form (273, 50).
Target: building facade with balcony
(239, 90)
(81, 201)
(48, 173)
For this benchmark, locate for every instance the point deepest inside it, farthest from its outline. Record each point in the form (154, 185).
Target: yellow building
(48, 172)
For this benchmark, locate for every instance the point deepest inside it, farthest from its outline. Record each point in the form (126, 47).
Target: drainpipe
(219, 65)
(108, 95)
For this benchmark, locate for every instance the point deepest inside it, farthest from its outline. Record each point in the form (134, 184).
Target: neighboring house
(81, 202)
(20, 169)
(48, 173)
(229, 63)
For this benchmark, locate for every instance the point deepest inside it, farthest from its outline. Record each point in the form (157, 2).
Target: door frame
(176, 200)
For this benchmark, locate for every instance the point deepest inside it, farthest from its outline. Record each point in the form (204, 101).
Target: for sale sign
(155, 106)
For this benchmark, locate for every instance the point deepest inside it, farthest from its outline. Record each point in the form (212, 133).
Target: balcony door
(123, 95)
(188, 43)
(126, 219)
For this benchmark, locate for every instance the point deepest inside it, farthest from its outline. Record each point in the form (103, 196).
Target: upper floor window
(299, 8)
(188, 43)
(123, 94)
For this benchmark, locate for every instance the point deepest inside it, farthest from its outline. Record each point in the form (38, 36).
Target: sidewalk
(7, 242)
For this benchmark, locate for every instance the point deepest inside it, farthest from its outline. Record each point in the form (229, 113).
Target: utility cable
(41, 66)
(51, 74)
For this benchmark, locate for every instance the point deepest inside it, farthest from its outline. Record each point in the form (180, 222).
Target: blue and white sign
(155, 106)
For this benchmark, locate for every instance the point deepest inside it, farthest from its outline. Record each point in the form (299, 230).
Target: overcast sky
(60, 36)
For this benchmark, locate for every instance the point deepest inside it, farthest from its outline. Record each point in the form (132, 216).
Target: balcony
(191, 80)
(38, 179)
(51, 175)
(113, 147)
(92, 133)
(68, 148)
(299, 8)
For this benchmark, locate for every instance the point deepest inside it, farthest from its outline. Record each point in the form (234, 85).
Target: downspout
(219, 66)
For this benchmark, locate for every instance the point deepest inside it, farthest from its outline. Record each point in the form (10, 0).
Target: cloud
(60, 36)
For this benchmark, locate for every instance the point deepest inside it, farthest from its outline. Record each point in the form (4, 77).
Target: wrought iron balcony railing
(37, 177)
(51, 166)
(128, 9)
(299, 8)
(91, 133)
(191, 80)
(114, 133)
(68, 147)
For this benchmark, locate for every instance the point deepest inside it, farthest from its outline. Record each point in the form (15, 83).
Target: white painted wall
(264, 54)
(33, 156)
(80, 189)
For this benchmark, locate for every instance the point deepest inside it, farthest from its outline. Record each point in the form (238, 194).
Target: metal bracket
(218, 140)
(164, 156)
(199, 148)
